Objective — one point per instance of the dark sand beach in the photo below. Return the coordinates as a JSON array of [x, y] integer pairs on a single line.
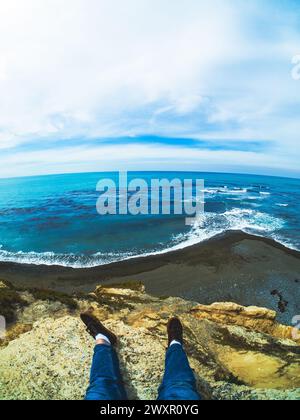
[[233, 267]]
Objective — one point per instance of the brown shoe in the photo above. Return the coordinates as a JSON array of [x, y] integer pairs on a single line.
[[175, 331], [94, 327]]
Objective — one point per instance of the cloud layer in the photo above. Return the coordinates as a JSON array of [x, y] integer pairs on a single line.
[[76, 75]]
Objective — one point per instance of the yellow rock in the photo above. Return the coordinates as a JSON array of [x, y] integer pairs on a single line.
[[257, 319]]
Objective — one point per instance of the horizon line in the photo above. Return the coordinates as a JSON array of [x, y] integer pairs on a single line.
[[149, 171]]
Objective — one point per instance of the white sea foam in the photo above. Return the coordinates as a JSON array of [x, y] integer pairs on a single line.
[[254, 197], [250, 221], [209, 225], [287, 243], [225, 190], [64, 260], [206, 227]]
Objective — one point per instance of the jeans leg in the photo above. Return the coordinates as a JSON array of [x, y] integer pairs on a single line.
[[179, 381], [106, 380]]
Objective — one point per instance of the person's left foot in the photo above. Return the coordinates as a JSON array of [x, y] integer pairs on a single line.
[[94, 327]]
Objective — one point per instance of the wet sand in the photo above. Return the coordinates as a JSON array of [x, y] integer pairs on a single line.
[[232, 267]]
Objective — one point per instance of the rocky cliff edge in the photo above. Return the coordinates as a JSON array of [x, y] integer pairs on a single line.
[[236, 353]]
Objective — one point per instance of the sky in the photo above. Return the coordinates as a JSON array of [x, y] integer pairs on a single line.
[[105, 85]]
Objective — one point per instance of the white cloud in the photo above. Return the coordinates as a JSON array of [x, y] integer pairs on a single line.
[[138, 157], [101, 59], [98, 68]]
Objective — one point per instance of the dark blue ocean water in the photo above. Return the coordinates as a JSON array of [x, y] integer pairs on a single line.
[[53, 219]]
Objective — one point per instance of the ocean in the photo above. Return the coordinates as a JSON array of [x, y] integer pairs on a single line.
[[53, 219]]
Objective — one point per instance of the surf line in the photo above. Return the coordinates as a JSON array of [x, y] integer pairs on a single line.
[[157, 197]]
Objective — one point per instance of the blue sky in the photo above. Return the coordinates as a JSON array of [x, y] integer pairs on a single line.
[[96, 85]]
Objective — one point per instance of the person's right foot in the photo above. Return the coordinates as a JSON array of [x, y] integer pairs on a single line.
[[94, 327], [175, 331]]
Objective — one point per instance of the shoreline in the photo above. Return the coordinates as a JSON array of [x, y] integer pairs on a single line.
[[172, 249], [230, 236], [233, 266]]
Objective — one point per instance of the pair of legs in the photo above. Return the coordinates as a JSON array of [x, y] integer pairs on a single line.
[[106, 380]]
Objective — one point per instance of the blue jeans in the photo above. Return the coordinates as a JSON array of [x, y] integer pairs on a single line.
[[106, 381]]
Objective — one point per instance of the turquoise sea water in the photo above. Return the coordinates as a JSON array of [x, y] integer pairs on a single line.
[[53, 219]]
